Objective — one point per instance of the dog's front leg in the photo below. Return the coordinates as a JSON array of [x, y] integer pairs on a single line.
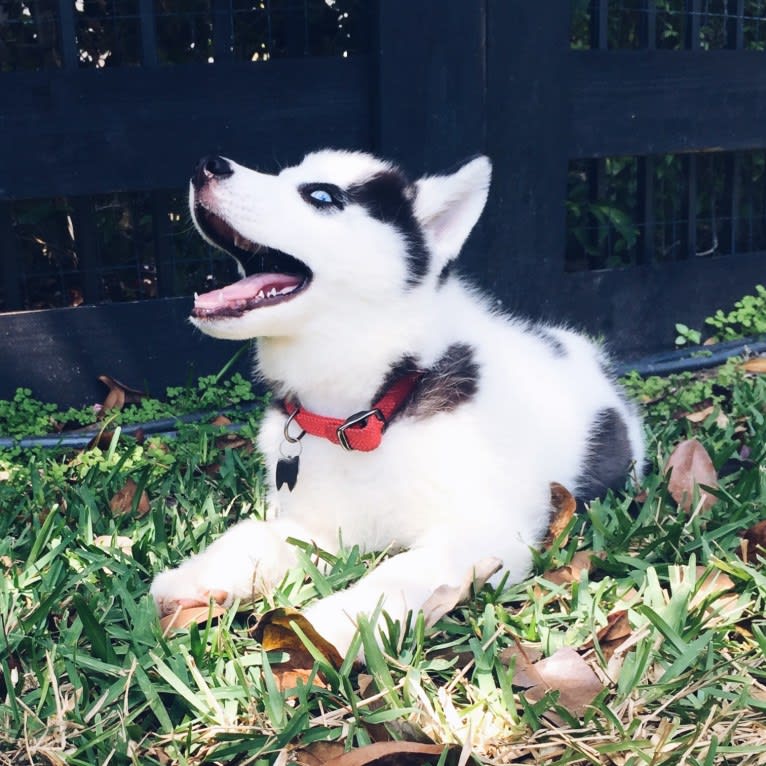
[[251, 558], [402, 583]]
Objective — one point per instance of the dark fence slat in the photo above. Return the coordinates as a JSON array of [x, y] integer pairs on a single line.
[[527, 137], [223, 30], [652, 102], [68, 34], [646, 208], [136, 129], [11, 266], [162, 250], [689, 247], [149, 57], [599, 24], [86, 245]]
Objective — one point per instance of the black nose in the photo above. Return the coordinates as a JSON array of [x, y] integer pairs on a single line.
[[210, 167]]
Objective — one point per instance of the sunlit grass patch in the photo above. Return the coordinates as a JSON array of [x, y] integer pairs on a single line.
[[649, 624]]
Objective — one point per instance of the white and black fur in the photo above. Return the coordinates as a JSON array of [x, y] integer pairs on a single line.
[[463, 473]]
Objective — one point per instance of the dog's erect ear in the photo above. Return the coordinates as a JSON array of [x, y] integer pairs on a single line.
[[448, 207]]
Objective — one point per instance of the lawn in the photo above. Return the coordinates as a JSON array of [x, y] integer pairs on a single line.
[[639, 639]]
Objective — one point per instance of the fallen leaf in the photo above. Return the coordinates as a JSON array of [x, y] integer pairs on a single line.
[[122, 502], [581, 562], [183, 618], [220, 420], [523, 659], [119, 395], [275, 633], [700, 415], [614, 633], [755, 364], [446, 597], [690, 466], [567, 673], [317, 753], [563, 506], [234, 441], [753, 543], [387, 754], [102, 440]]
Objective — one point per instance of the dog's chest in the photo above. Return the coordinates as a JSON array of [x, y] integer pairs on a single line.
[[366, 497]]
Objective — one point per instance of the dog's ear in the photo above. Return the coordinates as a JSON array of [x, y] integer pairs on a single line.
[[448, 207]]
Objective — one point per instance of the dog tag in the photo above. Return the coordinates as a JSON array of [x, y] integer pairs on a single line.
[[287, 471]]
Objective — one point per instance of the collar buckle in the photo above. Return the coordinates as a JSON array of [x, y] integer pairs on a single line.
[[355, 420]]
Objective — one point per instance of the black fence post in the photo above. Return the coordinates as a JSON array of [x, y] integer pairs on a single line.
[[430, 107], [528, 140]]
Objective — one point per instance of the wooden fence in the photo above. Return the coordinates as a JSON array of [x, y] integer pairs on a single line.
[[626, 138]]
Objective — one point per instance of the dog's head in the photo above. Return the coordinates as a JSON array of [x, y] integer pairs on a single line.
[[340, 230]]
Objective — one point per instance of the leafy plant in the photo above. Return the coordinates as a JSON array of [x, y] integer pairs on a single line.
[[748, 317], [687, 335]]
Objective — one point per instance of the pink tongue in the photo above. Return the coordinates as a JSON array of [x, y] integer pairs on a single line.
[[246, 289]]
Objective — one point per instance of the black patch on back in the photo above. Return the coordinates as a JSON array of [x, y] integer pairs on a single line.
[[386, 198], [554, 344], [609, 458], [452, 381]]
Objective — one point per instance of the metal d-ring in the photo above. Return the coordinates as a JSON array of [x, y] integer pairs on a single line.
[[286, 431]]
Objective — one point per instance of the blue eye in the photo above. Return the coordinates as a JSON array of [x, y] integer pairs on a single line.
[[322, 196]]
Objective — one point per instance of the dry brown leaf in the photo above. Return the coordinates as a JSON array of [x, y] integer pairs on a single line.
[[101, 440], [581, 562], [753, 543], [234, 441], [616, 631], [446, 597], [690, 466], [568, 673], [183, 618], [119, 395], [756, 364], [397, 753], [317, 753], [700, 415], [275, 633], [563, 507], [220, 420], [122, 502], [523, 659]]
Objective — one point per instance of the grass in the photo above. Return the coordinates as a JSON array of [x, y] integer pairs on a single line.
[[87, 677]]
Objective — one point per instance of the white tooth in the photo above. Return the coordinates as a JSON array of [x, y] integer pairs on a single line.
[[285, 290], [260, 295], [272, 292], [196, 295]]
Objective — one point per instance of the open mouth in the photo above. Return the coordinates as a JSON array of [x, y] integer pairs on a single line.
[[271, 276]]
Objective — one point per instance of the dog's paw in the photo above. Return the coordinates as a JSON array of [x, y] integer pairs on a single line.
[[333, 621], [180, 588]]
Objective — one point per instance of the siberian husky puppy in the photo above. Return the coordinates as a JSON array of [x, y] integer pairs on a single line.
[[408, 415]]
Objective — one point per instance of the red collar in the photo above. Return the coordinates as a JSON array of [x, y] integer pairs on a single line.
[[362, 431]]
